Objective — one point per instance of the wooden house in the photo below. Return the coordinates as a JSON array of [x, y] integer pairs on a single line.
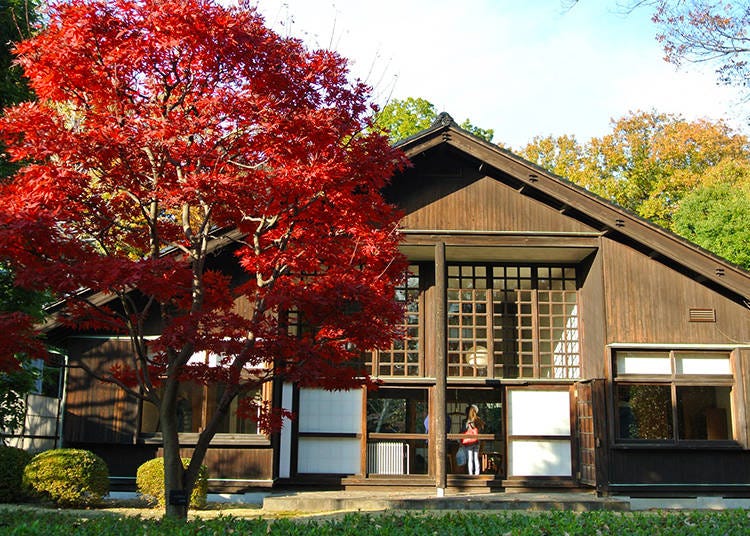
[[601, 351]]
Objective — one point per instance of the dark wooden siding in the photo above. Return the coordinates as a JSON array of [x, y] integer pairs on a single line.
[[648, 302], [592, 318], [236, 463], [476, 202], [97, 412], [673, 467]]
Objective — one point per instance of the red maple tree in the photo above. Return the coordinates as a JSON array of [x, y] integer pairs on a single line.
[[164, 130]]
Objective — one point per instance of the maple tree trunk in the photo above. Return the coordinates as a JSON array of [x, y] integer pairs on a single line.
[[176, 494]]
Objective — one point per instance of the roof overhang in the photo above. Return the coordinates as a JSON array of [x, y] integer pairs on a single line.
[[610, 219]]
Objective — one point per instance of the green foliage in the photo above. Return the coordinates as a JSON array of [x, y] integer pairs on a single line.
[[716, 217], [69, 477], [485, 133], [728, 523], [17, 21], [12, 463], [150, 483], [13, 298], [404, 118]]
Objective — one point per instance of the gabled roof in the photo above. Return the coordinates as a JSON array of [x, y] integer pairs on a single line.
[[577, 202]]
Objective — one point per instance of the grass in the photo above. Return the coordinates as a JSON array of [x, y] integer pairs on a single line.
[[239, 520]]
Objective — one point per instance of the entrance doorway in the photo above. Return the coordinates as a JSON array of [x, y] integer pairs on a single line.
[[489, 403]]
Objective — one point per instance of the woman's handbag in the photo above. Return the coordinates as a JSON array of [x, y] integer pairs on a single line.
[[472, 431]]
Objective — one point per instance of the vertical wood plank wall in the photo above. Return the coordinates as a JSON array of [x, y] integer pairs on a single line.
[[648, 302], [480, 204], [94, 411]]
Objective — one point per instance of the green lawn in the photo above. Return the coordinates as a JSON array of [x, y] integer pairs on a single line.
[[23, 522]]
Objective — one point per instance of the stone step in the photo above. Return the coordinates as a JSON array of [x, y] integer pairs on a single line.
[[358, 501]]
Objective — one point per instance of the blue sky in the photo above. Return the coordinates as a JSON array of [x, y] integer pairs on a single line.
[[522, 68]]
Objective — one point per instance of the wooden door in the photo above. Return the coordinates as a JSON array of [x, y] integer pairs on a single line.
[[585, 436]]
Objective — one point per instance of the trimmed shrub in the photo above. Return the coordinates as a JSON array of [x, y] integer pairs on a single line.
[[12, 463], [69, 477], [150, 483]]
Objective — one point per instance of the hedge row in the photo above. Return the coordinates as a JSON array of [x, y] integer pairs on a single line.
[[729, 523]]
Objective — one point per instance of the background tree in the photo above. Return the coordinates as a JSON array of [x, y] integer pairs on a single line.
[[707, 31], [561, 155], [716, 217], [163, 127], [21, 308], [18, 19], [648, 163], [403, 118]]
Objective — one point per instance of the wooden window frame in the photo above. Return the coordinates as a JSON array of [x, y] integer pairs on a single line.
[[674, 381], [265, 391], [374, 361]]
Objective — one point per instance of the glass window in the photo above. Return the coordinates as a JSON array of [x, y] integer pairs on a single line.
[[394, 418], [701, 363], [490, 411], [49, 376], [644, 411], [704, 412], [687, 396], [397, 411], [196, 405], [643, 363]]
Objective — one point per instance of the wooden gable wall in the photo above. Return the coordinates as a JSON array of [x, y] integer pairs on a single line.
[[649, 302], [448, 192]]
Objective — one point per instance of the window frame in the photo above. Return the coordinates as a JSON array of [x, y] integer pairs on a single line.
[[674, 380], [265, 392], [373, 360]]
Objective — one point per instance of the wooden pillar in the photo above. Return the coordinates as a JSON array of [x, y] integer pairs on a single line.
[[441, 343]]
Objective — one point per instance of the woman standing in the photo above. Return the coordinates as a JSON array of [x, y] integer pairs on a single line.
[[474, 425]]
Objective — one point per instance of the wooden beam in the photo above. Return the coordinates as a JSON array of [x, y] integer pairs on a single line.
[[441, 346]]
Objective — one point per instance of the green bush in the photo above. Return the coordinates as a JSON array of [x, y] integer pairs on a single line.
[[69, 477], [12, 463], [150, 483]]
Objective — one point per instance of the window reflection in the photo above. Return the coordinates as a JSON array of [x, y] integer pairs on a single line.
[[196, 405]]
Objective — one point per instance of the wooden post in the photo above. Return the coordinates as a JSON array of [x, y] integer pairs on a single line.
[[441, 342]]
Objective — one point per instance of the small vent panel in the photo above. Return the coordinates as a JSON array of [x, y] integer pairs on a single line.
[[702, 315]]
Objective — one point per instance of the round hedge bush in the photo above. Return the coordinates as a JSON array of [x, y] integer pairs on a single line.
[[69, 477], [150, 483], [12, 463]]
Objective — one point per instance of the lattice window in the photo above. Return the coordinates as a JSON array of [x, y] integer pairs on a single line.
[[513, 321], [559, 352], [404, 357], [468, 305]]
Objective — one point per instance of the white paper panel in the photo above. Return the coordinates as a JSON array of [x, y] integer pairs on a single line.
[[285, 446], [539, 412], [642, 363], [330, 411], [539, 458], [328, 455], [703, 364]]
